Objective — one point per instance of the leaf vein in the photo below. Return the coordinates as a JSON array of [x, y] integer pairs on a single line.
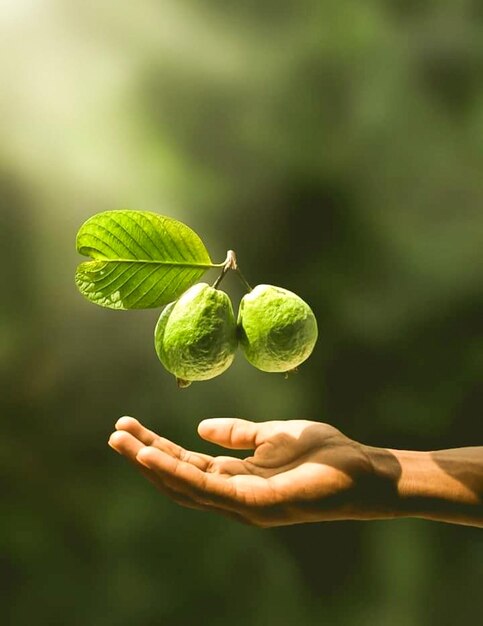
[[91, 237], [119, 287], [192, 250], [131, 238], [123, 271], [111, 234], [143, 217], [160, 224], [138, 285], [174, 242]]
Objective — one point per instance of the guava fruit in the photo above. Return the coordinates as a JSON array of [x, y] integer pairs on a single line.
[[277, 330], [195, 337]]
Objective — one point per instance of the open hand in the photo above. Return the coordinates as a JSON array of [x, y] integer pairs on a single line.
[[300, 471]]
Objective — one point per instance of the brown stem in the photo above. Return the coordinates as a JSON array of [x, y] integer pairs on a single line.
[[243, 279], [230, 264]]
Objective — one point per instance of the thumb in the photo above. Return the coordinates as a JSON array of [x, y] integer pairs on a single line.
[[232, 432]]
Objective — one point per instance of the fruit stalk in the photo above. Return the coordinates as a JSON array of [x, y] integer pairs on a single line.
[[229, 264], [243, 279]]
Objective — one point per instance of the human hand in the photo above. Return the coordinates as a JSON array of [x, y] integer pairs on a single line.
[[300, 471]]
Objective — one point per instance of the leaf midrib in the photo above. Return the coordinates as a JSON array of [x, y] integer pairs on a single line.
[[154, 262]]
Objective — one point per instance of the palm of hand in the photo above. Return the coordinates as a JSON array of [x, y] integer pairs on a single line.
[[302, 467]]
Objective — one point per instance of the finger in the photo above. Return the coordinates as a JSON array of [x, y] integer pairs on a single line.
[[231, 466], [186, 501], [220, 465], [129, 446], [198, 459], [234, 433], [150, 438], [204, 487], [125, 444], [133, 426]]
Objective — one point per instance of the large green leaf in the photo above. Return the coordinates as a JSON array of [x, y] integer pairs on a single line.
[[140, 260]]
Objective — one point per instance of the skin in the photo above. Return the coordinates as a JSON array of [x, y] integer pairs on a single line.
[[302, 471]]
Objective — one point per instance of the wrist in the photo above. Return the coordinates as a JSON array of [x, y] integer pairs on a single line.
[[382, 492], [411, 476]]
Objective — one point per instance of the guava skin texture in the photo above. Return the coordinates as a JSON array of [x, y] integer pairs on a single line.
[[277, 330], [195, 337]]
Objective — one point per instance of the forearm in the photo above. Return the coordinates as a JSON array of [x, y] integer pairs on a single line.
[[446, 485]]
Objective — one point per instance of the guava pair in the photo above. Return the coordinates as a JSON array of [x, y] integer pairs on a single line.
[[196, 336]]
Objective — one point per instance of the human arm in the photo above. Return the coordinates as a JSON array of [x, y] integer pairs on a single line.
[[303, 471], [443, 485]]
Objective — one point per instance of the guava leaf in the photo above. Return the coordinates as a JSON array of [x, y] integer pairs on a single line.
[[140, 260]]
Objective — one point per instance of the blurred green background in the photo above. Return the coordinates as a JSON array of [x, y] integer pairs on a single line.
[[337, 146]]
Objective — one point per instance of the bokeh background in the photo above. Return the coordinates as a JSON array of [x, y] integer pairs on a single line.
[[337, 146]]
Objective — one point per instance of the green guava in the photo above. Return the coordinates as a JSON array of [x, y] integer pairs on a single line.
[[195, 337], [277, 330]]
